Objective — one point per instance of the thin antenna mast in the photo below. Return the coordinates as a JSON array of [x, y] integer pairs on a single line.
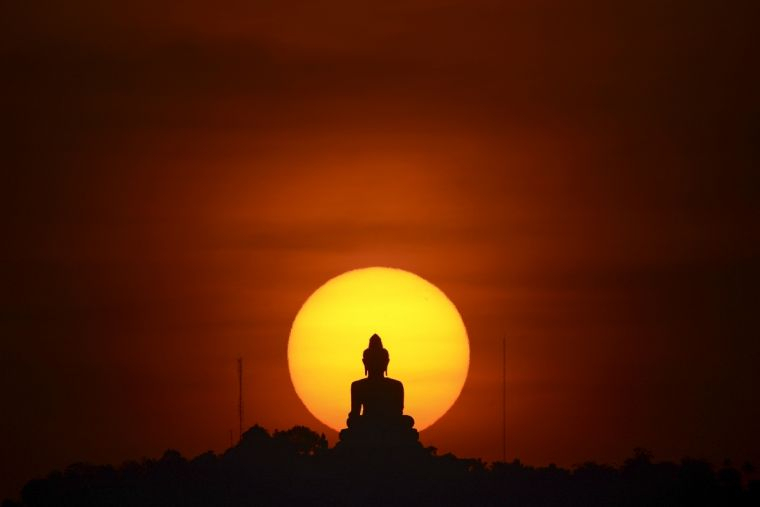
[[240, 397], [504, 399]]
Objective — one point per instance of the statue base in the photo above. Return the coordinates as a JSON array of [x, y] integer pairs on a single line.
[[378, 438]]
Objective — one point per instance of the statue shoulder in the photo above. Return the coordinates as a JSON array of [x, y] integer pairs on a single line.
[[393, 382]]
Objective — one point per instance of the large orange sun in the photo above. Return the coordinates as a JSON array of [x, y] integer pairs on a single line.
[[419, 325]]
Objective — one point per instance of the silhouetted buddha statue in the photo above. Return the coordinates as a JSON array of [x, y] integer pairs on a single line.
[[377, 402]]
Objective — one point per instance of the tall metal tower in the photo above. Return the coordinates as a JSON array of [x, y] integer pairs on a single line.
[[240, 398], [504, 399]]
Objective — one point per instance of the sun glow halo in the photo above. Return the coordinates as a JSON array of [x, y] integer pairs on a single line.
[[419, 325]]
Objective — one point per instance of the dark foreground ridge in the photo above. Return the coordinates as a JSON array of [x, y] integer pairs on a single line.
[[296, 467]]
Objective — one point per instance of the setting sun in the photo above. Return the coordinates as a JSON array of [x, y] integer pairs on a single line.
[[419, 325]]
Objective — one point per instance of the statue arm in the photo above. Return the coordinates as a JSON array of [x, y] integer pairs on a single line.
[[356, 404], [400, 398]]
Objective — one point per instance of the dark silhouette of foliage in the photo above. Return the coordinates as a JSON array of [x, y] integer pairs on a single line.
[[296, 466]]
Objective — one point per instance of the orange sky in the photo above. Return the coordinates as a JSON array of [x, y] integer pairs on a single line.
[[579, 178]]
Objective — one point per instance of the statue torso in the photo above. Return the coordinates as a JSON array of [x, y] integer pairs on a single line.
[[379, 397]]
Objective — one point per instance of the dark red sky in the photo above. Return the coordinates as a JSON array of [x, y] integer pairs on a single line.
[[580, 177]]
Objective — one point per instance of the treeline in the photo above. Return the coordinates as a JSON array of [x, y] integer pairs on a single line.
[[296, 467]]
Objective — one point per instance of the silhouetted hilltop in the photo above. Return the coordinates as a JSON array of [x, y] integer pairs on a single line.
[[296, 467]]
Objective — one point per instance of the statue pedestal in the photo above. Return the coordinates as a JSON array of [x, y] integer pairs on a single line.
[[381, 438]]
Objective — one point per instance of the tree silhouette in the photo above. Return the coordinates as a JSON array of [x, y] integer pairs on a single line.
[[296, 466]]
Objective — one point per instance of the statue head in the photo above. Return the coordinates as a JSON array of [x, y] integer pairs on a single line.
[[375, 357]]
